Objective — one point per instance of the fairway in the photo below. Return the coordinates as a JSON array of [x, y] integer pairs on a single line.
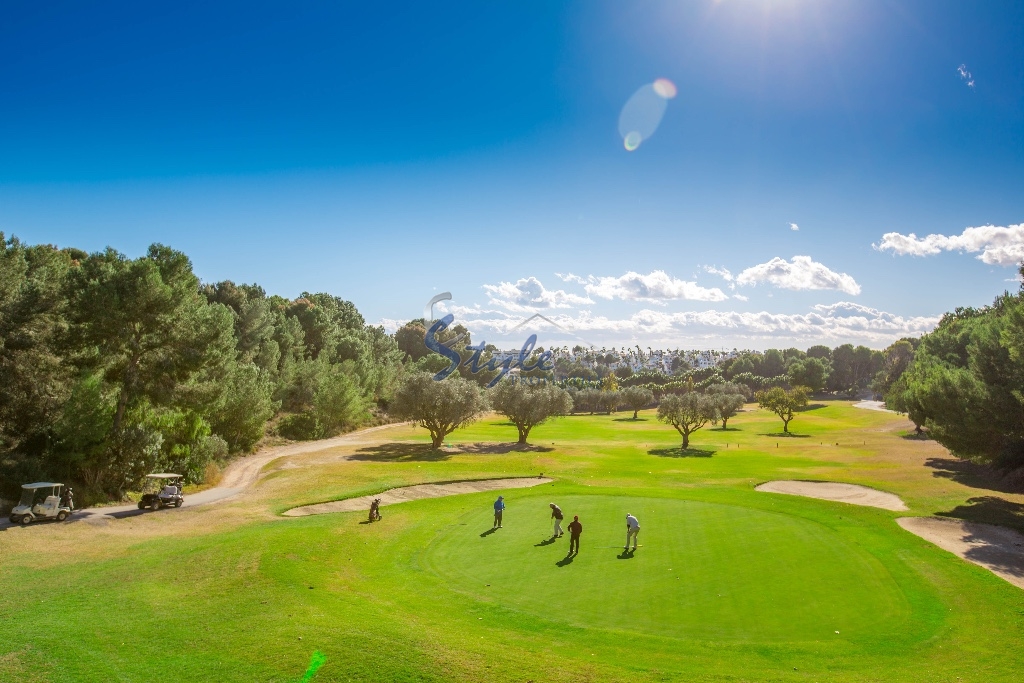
[[705, 571], [729, 583]]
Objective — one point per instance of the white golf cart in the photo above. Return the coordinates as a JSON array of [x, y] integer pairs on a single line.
[[41, 500], [162, 490]]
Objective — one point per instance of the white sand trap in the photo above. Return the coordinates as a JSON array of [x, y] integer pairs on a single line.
[[841, 493], [998, 549], [417, 492], [873, 405]]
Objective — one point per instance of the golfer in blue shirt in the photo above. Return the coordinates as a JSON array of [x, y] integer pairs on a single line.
[[499, 507]]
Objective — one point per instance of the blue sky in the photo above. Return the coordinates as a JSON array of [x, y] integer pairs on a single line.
[[387, 152]]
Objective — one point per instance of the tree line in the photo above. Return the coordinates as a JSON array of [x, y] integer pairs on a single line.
[[964, 381], [113, 367]]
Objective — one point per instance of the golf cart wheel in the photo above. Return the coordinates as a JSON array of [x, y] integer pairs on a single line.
[[14, 519], [142, 506], [61, 516], [178, 504], [156, 505], [26, 520]]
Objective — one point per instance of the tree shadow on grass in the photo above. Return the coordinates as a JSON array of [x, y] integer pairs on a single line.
[[677, 452], [914, 436], [989, 510], [810, 406], [629, 419], [973, 474], [398, 451], [786, 435], [500, 448]]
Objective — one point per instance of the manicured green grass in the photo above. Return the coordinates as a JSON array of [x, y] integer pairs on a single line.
[[729, 584], [705, 570]]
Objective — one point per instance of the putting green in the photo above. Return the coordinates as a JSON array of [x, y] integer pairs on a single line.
[[704, 570]]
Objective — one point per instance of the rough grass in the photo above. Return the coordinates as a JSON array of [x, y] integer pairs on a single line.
[[230, 592]]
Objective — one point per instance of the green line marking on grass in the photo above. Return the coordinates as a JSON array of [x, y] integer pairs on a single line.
[[318, 660]]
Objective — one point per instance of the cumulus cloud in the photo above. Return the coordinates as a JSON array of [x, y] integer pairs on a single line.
[[657, 287], [740, 297], [965, 76], [999, 246], [828, 324], [529, 294], [801, 273], [794, 227]]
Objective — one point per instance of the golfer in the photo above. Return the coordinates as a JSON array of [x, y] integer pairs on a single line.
[[632, 530], [499, 507], [575, 529], [556, 514]]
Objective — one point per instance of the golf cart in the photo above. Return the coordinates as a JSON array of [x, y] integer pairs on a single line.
[[162, 490], [41, 500]]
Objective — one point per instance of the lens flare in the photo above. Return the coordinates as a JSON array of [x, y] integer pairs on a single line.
[[665, 88], [643, 111]]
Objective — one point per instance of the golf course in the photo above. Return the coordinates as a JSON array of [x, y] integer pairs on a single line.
[[728, 583]]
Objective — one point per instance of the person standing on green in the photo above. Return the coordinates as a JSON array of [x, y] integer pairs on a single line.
[[556, 514], [499, 507], [632, 530], [575, 529]]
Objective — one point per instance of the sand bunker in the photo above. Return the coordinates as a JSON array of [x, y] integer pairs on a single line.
[[998, 549], [841, 493], [417, 492], [873, 405]]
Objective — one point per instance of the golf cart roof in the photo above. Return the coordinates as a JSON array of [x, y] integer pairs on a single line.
[[40, 485], [164, 475]]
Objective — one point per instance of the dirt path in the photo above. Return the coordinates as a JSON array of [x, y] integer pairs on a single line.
[[245, 471], [841, 493], [417, 492], [998, 549], [240, 474]]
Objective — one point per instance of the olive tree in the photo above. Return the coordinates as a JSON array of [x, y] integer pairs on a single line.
[[528, 405], [783, 403], [636, 399], [687, 413], [439, 407], [726, 406]]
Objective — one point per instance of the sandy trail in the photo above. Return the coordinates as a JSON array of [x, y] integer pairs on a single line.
[[245, 471], [240, 474], [841, 493], [998, 549], [417, 492]]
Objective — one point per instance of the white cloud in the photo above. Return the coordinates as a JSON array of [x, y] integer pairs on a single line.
[[965, 76], [528, 294], [794, 227], [740, 297], [999, 246], [720, 272], [801, 273], [832, 324], [657, 287], [569, 277]]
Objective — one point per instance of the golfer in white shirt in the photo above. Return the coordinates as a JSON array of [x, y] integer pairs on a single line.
[[632, 530]]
